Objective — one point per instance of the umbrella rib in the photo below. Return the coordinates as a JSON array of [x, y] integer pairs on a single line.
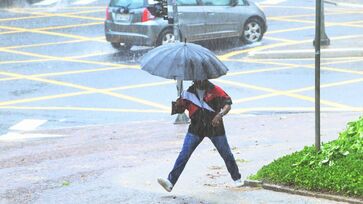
[[176, 51], [186, 71], [166, 52], [216, 64], [197, 53], [203, 59], [183, 62]]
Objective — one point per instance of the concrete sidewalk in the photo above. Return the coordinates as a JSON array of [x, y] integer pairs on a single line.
[[342, 45], [119, 163], [338, 48], [352, 3]]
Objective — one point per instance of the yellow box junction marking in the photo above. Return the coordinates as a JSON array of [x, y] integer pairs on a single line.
[[225, 57], [54, 108], [69, 59], [45, 15], [85, 88], [50, 33], [279, 92]]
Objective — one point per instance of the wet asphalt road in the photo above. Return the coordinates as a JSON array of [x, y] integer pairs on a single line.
[[55, 65]]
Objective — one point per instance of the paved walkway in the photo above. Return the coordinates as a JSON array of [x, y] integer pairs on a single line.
[[349, 1], [119, 163]]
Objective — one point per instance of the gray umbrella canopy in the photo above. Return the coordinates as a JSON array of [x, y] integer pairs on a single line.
[[183, 61]]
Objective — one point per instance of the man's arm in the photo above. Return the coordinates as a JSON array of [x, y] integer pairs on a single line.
[[225, 110], [180, 105], [218, 118]]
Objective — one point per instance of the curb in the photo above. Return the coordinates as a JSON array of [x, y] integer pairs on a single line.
[[339, 3], [307, 53], [284, 189]]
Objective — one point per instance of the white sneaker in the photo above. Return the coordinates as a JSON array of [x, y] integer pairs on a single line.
[[238, 183], [166, 184]]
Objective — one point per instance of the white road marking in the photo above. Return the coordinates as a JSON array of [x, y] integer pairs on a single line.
[[351, 5], [27, 125], [19, 131], [306, 53], [83, 2], [46, 2], [15, 136], [271, 2]]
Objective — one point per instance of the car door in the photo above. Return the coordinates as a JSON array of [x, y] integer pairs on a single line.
[[221, 18], [191, 20]]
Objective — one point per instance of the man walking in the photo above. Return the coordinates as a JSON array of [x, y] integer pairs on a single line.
[[207, 104]]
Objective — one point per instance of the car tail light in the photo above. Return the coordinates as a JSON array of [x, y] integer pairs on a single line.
[[146, 15], [108, 16]]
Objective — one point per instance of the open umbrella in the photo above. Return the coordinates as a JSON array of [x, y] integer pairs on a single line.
[[183, 61]]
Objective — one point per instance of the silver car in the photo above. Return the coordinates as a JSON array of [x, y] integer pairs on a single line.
[[131, 22]]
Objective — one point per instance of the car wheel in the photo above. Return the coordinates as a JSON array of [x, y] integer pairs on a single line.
[[118, 46], [166, 36], [252, 31]]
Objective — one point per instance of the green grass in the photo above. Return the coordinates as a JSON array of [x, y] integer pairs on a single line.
[[337, 168]]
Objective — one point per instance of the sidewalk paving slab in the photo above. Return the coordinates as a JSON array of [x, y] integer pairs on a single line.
[[119, 163], [338, 48]]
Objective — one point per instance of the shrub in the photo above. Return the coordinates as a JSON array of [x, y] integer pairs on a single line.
[[337, 168]]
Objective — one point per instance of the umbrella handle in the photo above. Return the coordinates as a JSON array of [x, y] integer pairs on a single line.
[[179, 86]]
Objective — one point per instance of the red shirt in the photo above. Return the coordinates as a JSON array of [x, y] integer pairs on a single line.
[[202, 112]]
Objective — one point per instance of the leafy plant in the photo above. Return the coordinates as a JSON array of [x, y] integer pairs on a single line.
[[66, 183], [337, 168]]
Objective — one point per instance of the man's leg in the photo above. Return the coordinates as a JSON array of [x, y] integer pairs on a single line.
[[221, 143], [190, 143]]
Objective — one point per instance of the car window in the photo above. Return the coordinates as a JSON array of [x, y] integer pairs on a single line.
[[186, 2], [242, 2], [128, 3], [216, 2]]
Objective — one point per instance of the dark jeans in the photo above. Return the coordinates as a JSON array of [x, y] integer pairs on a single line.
[[191, 142]]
